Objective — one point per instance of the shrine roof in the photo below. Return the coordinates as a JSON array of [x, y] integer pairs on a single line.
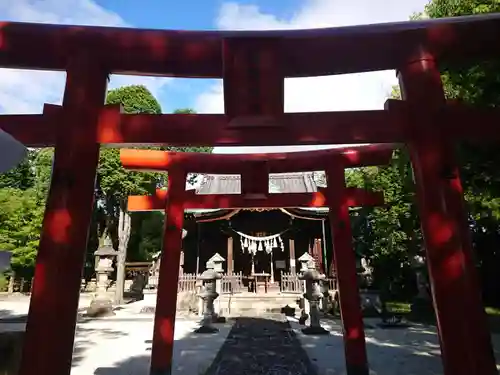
[[279, 183]]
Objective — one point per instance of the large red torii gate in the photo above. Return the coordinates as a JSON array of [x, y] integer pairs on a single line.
[[253, 66], [255, 169]]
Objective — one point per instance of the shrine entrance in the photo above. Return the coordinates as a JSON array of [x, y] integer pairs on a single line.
[[255, 170]]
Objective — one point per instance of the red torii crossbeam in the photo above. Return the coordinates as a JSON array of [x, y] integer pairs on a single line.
[[377, 126], [355, 198], [253, 66], [255, 193]]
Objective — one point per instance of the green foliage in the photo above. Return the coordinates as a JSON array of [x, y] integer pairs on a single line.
[[134, 99], [4, 283], [389, 236], [21, 217], [115, 183], [20, 177]]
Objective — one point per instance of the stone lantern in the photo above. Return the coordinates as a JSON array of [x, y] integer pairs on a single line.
[[306, 260], [215, 263], [208, 295], [102, 302], [313, 295]]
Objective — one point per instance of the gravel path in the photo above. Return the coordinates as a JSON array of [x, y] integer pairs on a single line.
[[265, 345]]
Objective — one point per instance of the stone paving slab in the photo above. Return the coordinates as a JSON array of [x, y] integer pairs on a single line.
[[121, 345], [412, 350], [263, 345]]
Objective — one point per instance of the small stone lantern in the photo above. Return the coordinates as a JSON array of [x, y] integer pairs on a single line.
[[215, 263], [102, 302], [306, 261], [313, 295], [208, 295]]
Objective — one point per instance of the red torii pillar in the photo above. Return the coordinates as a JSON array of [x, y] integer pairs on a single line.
[[344, 261], [50, 330], [464, 334], [164, 324]]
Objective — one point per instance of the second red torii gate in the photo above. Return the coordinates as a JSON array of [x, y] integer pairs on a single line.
[[255, 171]]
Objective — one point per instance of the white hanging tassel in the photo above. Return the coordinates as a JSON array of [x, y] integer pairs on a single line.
[[246, 243], [253, 246], [275, 244], [281, 244], [259, 248], [242, 244]]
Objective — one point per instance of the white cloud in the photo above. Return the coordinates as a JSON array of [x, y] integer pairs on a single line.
[[331, 93], [25, 91]]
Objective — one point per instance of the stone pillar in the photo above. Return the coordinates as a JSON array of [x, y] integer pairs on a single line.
[[313, 295], [209, 294], [291, 245]]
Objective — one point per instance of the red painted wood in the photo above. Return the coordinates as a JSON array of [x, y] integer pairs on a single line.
[[463, 328], [198, 54], [355, 197], [236, 163], [203, 129], [50, 330], [255, 179], [254, 84], [322, 128], [345, 266], [163, 334]]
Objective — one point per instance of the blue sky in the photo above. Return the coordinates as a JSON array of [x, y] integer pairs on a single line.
[[27, 91], [187, 15]]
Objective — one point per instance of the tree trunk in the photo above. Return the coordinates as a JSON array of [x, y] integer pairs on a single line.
[[12, 279], [124, 227]]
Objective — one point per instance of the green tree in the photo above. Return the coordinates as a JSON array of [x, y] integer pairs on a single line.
[[22, 176], [477, 84], [115, 184], [21, 217]]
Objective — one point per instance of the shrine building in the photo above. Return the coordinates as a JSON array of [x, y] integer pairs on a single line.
[[257, 241]]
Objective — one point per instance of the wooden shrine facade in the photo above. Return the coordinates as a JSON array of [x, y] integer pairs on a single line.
[[253, 66], [297, 230]]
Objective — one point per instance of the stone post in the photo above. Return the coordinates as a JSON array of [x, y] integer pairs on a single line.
[[209, 278], [215, 263], [102, 304], [313, 294]]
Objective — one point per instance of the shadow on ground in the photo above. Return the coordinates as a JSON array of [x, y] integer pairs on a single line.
[[265, 346]]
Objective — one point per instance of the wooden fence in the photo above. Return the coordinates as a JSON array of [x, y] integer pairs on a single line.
[[290, 283], [187, 283], [232, 283], [18, 285]]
